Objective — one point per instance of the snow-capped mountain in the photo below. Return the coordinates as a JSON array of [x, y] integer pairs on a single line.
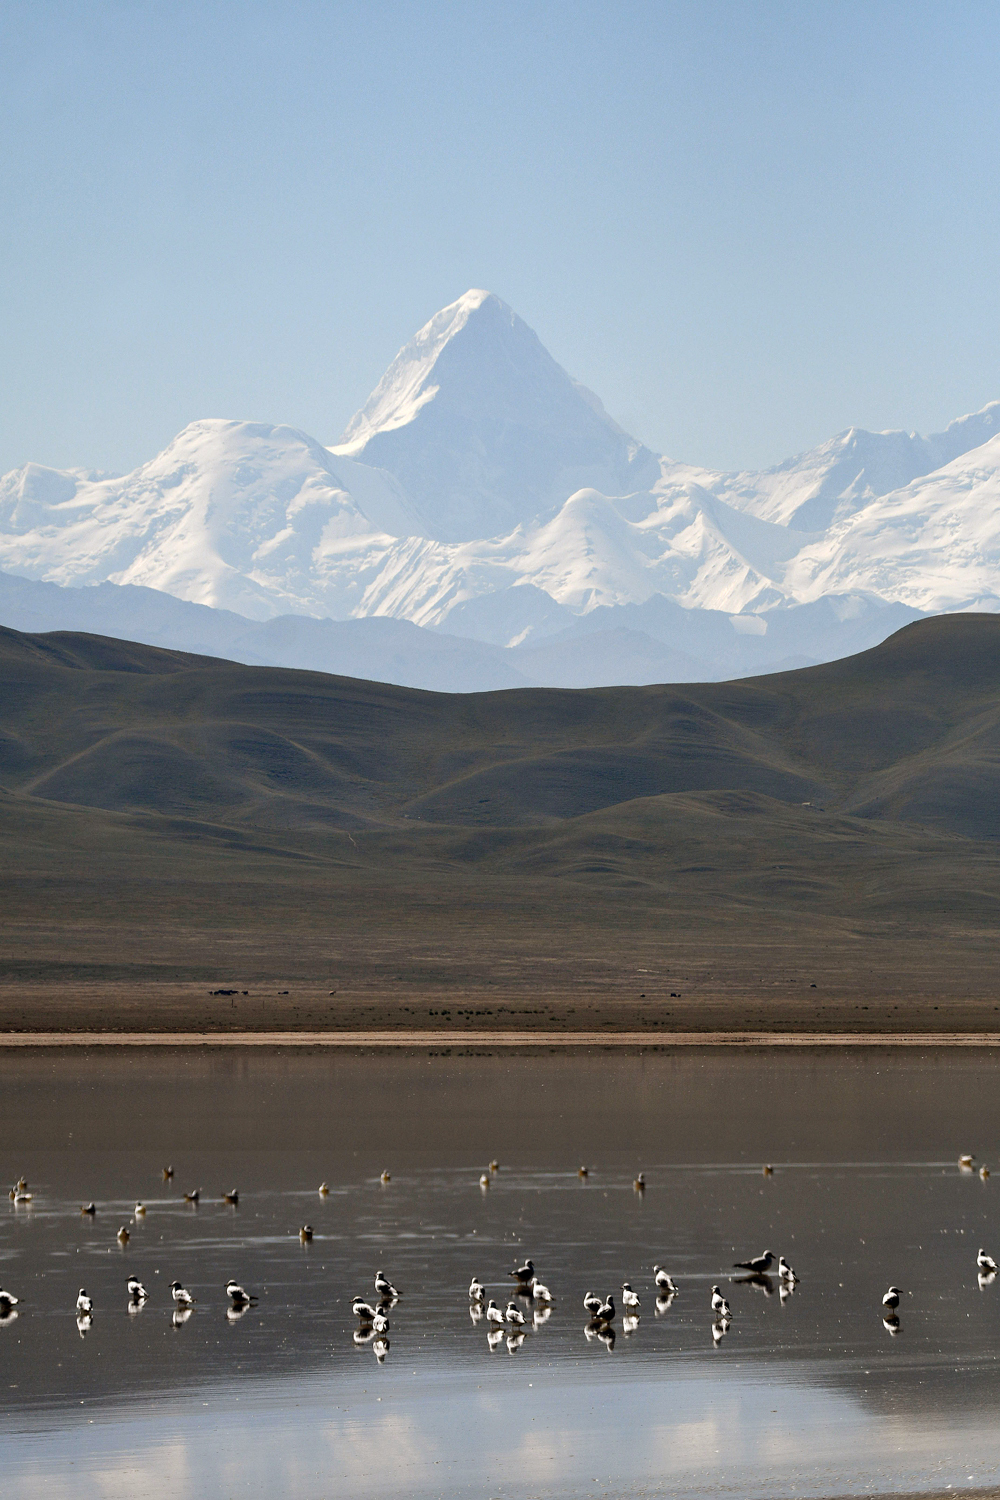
[[483, 493]]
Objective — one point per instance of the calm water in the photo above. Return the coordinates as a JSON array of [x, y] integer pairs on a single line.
[[810, 1395]]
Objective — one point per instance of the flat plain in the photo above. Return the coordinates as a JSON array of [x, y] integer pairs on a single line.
[[812, 850]]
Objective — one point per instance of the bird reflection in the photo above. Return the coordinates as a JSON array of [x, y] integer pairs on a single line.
[[758, 1280], [84, 1323], [237, 1311], [380, 1348], [7, 1315], [719, 1331], [786, 1290], [630, 1323], [541, 1315], [606, 1336], [663, 1304], [181, 1316], [475, 1312], [986, 1278], [891, 1324], [364, 1335], [515, 1340], [493, 1338]]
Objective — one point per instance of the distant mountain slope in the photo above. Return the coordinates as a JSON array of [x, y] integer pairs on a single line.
[[482, 493]]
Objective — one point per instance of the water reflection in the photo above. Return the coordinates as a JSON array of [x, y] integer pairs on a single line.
[[788, 1384]]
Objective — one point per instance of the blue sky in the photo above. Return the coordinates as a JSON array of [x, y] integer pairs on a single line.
[[746, 226]]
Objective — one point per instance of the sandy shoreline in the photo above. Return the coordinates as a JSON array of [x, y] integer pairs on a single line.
[[493, 1039]]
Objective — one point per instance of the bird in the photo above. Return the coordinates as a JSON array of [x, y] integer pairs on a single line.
[[89, 1208], [539, 1292], [639, 1183], [123, 1235], [891, 1299], [785, 1271], [663, 1280], [583, 1171], [182, 1297], [493, 1313], [719, 1304], [168, 1172], [384, 1286], [524, 1273], [193, 1197], [592, 1304], [758, 1265], [514, 1315], [7, 1301], [84, 1306], [239, 1295], [986, 1263], [494, 1165], [137, 1292], [139, 1211], [306, 1233], [606, 1312], [630, 1299], [384, 1177], [231, 1197], [768, 1170], [476, 1290], [18, 1195], [363, 1310], [324, 1189], [21, 1185], [966, 1160], [484, 1181], [984, 1172], [380, 1322]]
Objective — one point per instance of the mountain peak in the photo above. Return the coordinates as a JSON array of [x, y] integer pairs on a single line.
[[484, 430]]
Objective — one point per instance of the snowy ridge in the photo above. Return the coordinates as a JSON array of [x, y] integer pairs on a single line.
[[483, 493]]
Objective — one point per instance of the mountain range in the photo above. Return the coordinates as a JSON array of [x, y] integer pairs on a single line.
[[484, 523]]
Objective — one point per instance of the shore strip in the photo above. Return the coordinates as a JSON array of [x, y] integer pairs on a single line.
[[437, 1039]]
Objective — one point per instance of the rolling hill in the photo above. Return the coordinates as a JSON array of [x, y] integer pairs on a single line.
[[171, 820]]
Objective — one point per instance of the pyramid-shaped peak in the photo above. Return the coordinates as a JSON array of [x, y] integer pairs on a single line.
[[484, 429]]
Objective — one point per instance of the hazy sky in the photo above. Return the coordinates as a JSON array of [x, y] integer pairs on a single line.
[[746, 226]]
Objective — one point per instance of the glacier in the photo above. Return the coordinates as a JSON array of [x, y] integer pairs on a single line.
[[504, 529]]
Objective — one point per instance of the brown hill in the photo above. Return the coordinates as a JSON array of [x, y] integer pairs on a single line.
[[679, 856]]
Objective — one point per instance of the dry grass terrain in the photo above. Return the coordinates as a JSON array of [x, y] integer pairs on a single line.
[[818, 849]]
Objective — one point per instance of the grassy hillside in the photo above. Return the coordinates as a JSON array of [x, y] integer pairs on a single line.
[[169, 821]]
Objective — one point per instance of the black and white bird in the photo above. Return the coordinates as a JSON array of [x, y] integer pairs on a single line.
[[380, 1323], [664, 1282], [493, 1313], [592, 1304], [719, 1304], [384, 1287], [524, 1273], [606, 1312], [182, 1297], [785, 1271], [306, 1233], [630, 1299], [137, 1292], [238, 1294], [891, 1299], [7, 1299], [539, 1292], [477, 1291], [139, 1211], [759, 1265], [123, 1235], [89, 1208], [986, 1263], [231, 1197], [193, 1197], [514, 1315], [363, 1310], [84, 1306]]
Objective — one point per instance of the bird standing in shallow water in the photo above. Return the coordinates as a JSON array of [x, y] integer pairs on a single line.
[[891, 1299], [630, 1299], [514, 1315], [539, 1292], [606, 1311], [84, 1306], [524, 1273], [664, 1282], [239, 1295], [493, 1313], [137, 1292], [139, 1211], [759, 1265], [986, 1263], [592, 1304], [476, 1290], [306, 1233], [182, 1297], [123, 1235], [785, 1271], [384, 1287], [7, 1301], [363, 1310], [719, 1304], [89, 1208]]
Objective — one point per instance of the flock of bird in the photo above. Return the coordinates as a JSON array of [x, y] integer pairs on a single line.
[[510, 1323]]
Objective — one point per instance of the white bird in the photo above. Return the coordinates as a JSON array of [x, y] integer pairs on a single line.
[[123, 1235], [986, 1263], [476, 1290], [239, 1294], [137, 1292], [493, 1313], [182, 1297], [785, 1271], [592, 1304], [966, 1160], [324, 1190], [139, 1210], [7, 1299], [514, 1315], [539, 1292], [663, 1280], [891, 1299], [380, 1323], [84, 1306], [630, 1299], [384, 1287], [719, 1304], [484, 1182], [363, 1310], [606, 1311]]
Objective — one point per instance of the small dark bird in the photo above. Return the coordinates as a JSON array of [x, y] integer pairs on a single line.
[[192, 1197], [606, 1311], [758, 1265], [306, 1233], [231, 1197], [524, 1273], [89, 1208], [168, 1172]]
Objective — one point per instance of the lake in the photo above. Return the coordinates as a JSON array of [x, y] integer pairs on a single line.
[[802, 1394]]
